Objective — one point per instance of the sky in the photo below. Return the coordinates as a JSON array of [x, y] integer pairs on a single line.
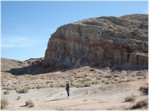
[[27, 26]]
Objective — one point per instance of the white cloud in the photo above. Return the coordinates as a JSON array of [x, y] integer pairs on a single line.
[[18, 42]]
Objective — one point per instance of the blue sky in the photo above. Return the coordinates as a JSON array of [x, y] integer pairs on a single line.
[[26, 26]]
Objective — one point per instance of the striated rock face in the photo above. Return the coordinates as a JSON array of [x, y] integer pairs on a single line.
[[103, 40]]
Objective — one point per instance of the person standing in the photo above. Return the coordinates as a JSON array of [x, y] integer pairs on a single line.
[[68, 88]]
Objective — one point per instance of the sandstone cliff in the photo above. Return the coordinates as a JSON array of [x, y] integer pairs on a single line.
[[106, 41]]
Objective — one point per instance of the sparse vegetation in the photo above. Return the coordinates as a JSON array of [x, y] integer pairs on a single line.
[[6, 92], [92, 69], [144, 90], [95, 82], [106, 82], [87, 84], [27, 86], [19, 97], [140, 104], [108, 76], [24, 90], [116, 79], [4, 103], [29, 103], [103, 81], [130, 98], [7, 88]]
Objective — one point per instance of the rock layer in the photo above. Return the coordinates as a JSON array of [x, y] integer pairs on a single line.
[[103, 40]]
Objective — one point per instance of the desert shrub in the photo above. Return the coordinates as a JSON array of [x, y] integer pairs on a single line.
[[38, 87], [24, 90], [87, 84], [144, 90], [27, 86], [7, 88], [139, 73], [78, 85], [29, 103], [140, 104], [103, 81], [106, 82], [116, 79], [92, 69], [98, 78], [119, 81], [108, 76], [15, 88], [85, 100], [19, 97], [4, 103], [95, 82], [6, 92], [116, 75], [130, 98], [62, 85]]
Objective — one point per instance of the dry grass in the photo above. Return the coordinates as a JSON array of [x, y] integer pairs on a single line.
[[29, 103], [4, 103]]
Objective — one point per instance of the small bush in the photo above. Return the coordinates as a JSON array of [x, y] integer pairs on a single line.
[[7, 88], [108, 76], [6, 92], [106, 82], [130, 98], [19, 97], [98, 78], [140, 104], [27, 86], [29, 103], [38, 87], [24, 90], [95, 82], [15, 88], [4, 103], [78, 86], [116, 79], [62, 85], [87, 84], [144, 90], [92, 69]]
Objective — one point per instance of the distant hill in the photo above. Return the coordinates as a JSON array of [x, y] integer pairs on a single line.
[[8, 64]]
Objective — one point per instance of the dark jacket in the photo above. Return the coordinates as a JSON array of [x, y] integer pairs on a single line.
[[67, 86]]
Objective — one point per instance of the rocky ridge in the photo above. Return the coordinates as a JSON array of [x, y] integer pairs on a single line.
[[107, 41]]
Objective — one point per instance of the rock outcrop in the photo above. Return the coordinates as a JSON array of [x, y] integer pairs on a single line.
[[106, 41]]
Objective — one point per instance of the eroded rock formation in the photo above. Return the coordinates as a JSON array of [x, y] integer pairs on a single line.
[[102, 40]]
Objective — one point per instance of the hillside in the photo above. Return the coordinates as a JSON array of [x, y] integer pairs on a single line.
[[105, 41]]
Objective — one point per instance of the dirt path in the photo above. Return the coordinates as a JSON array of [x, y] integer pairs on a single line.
[[97, 97]]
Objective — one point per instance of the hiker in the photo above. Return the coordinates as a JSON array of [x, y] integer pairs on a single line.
[[67, 88]]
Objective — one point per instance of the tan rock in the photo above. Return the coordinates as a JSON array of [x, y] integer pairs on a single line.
[[99, 40]]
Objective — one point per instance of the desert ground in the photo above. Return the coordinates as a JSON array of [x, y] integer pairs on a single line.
[[91, 89]]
